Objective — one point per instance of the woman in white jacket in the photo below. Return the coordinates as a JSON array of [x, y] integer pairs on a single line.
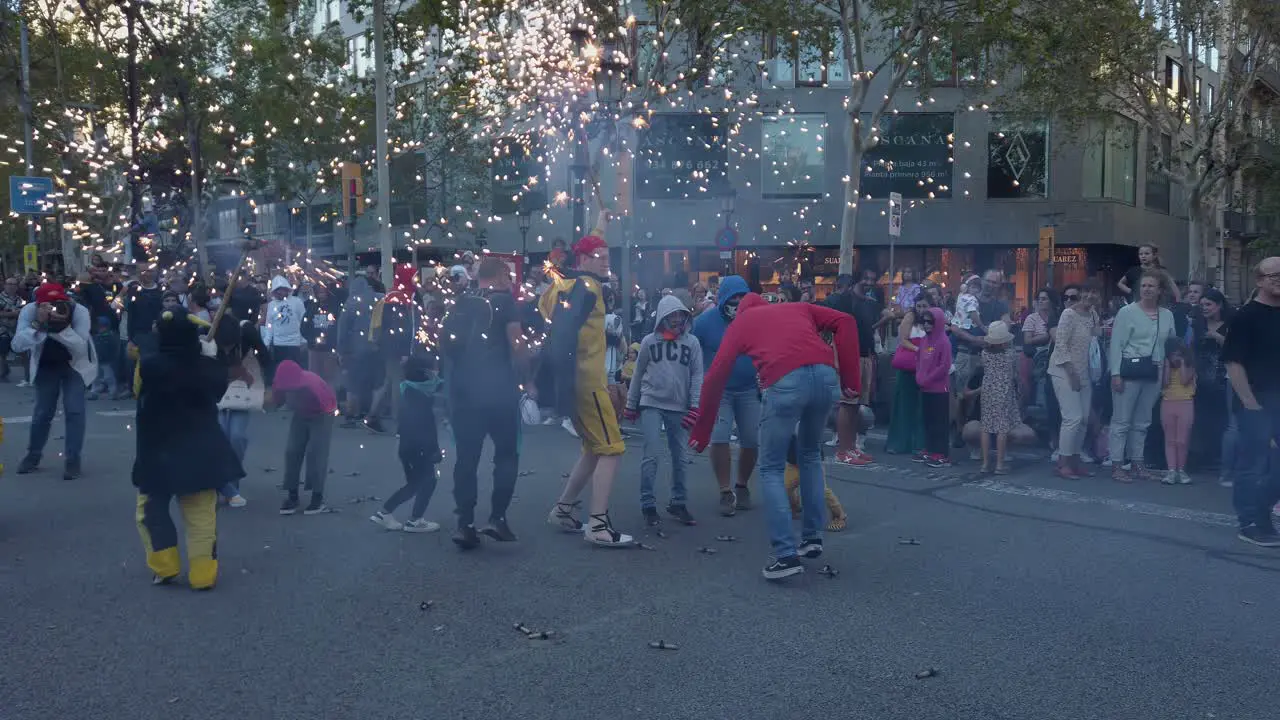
[[55, 330], [283, 329]]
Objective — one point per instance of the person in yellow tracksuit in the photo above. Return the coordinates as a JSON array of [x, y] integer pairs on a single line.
[[182, 452], [575, 347]]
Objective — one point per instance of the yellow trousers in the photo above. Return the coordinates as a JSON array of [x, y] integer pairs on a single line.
[[160, 536]]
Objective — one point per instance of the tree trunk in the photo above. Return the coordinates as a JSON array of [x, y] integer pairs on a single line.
[[196, 204], [852, 189]]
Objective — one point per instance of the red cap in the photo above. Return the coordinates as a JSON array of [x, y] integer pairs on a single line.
[[51, 292], [588, 245]]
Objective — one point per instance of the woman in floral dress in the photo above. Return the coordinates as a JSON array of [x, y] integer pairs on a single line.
[[999, 394]]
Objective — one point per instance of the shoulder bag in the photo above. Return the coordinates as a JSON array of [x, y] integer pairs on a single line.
[[1142, 368]]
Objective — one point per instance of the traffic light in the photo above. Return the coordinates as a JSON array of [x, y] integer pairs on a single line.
[[352, 191]]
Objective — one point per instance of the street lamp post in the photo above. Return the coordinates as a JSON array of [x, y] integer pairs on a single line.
[[525, 219], [728, 205]]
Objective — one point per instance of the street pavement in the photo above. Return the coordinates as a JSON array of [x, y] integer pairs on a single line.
[[1026, 598]]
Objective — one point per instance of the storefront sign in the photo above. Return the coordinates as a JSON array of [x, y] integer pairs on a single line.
[[1069, 256], [913, 157], [517, 176], [682, 156]]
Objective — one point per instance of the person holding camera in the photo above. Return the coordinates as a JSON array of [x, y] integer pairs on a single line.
[[55, 331]]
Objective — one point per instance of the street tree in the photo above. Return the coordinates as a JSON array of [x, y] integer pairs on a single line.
[[1087, 62]]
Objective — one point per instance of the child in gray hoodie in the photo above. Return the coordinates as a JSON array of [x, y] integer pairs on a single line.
[[664, 392]]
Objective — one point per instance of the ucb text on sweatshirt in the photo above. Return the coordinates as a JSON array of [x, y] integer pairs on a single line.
[[668, 374]]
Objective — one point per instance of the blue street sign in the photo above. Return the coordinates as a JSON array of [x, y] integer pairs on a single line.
[[29, 195], [727, 238]]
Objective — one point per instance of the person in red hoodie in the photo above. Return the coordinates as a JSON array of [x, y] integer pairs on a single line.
[[800, 384], [310, 431]]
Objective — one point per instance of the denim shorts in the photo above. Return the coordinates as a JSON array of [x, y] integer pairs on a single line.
[[743, 408]]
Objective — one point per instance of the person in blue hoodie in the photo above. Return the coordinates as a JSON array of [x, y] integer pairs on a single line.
[[740, 403]]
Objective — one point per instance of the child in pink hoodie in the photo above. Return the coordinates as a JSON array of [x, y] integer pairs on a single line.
[[310, 431], [933, 374]]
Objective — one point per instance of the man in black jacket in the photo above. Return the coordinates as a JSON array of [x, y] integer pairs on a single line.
[[483, 351]]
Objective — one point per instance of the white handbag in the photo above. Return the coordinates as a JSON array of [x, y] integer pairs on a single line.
[[241, 396]]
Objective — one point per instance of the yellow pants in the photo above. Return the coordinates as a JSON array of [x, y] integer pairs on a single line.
[[791, 476], [160, 536]]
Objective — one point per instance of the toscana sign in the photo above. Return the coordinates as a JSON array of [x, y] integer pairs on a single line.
[[913, 157]]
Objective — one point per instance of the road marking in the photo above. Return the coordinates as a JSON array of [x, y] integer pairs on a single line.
[[1129, 506], [26, 419]]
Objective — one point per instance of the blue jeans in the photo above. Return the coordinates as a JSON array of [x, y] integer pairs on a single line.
[[743, 408], [107, 346], [798, 405], [51, 382], [235, 423], [651, 421], [1257, 475]]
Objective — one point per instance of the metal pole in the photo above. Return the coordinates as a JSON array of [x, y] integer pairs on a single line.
[[307, 209], [892, 272], [135, 193], [524, 244], [28, 134], [384, 170], [580, 152]]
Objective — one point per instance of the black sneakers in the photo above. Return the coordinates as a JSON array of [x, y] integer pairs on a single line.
[[28, 465], [72, 470], [1260, 536], [783, 568], [651, 518], [811, 549], [498, 529], [465, 537], [290, 505], [681, 513]]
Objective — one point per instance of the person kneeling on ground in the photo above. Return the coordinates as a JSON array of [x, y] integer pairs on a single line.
[[181, 451], [310, 432], [419, 448], [664, 391]]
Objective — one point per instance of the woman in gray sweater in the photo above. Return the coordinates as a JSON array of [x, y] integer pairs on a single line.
[[1135, 359]]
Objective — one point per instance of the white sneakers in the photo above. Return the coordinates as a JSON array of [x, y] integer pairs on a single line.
[[237, 501], [389, 522]]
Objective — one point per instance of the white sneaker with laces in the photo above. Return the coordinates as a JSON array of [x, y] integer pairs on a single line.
[[237, 501], [1086, 458], [386, 520], [567, 424], [1171, 478], [1184, 478], [421, 525]]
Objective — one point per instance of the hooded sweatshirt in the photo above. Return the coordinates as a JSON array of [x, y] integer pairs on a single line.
[[284, 317], [354, 322], [933, 361], [394, 323], [710, 327], [669, 369], [779, 339], [307, 393]]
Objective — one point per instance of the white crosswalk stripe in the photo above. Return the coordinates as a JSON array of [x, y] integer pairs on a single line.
[[26, 419]]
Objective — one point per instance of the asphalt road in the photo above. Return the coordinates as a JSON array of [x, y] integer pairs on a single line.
[[1030, 598]]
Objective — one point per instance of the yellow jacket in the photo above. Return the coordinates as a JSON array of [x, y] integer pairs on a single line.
[[591, 347]]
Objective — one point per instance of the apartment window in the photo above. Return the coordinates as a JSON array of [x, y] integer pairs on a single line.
[[806, 63], [1207, 98], [646, 51], [1173, 82], [1207, 54], [1157, 192], [358, 55], [332, 11], [1017, 157], [792, 160], [1110, 159], [945, 65]]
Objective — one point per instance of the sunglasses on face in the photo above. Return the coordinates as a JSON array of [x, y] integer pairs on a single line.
[[1071, 298]]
